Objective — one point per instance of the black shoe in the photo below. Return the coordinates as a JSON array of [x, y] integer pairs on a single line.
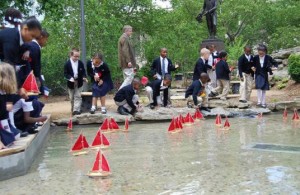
[[24, 134], [32, 131], [122, 111], [189, 105], [212, 94], [243, 101], [258, 105], [205, 109], [76, 113], [152, 106]]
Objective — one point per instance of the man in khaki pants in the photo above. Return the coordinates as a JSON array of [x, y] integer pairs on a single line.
[[223, 77], [126, 56], [246, 74]]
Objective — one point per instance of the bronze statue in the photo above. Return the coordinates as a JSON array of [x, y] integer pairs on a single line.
[[210, 11]]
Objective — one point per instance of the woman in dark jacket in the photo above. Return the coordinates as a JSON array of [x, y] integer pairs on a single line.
[[262, 65]]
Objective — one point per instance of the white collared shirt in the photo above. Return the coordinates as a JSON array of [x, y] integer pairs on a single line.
[[21, 39], [34, 40], [158, 76], [261, 61], [162, 87], [75, 68], [248, 57]]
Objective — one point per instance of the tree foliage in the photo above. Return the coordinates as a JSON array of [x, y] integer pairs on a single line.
[[274, 22]]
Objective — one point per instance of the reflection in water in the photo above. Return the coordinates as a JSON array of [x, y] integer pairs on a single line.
[[149, 160]]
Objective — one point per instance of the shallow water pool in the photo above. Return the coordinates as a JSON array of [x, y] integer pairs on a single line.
[[148, 160]]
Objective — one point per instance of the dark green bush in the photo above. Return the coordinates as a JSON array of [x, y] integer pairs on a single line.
[[294, 67]]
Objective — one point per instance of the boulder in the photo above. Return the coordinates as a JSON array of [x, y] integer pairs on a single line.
[[97, 118], [283, 73], [214, 103], [288, 104], [219, 110], [285, 53], [285, 62], [161, 113]]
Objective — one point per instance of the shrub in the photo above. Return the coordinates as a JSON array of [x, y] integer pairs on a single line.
[[294, 67]]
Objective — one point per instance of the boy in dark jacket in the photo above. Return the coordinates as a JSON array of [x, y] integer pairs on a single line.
[[126, 98], [196, 93], [223, 76]]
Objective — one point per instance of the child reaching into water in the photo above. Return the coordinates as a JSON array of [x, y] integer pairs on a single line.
[[8, 86], [99, 72]]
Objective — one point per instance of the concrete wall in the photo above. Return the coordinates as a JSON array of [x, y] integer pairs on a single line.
[[18, 164]]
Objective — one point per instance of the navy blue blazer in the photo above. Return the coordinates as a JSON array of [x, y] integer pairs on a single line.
[[35, 55], [156, 92], [200, 67], [222, 70], [68, 73], [156, 66], [103, 69], [261, 73], [10, 49], [245, 66], [194, 89], [126, 93]]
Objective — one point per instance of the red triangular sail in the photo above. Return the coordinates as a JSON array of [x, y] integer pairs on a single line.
[[70, 124], [104, 164], [189, 119], [198, 114], [30, 84], [97, 163], [113, 124], [172, 126], [296, 115], [181, 119], [105, 125], [100, 140], [80, 143], [126, 126], [227, 124], [179, 123], [218, 120]]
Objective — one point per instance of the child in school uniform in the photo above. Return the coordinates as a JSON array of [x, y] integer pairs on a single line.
[[102, 83], [262, 65], [195, 94], [12, 18], [8, 86], [223, 77]]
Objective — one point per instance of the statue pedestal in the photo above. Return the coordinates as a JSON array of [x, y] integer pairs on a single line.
[[220, 46]]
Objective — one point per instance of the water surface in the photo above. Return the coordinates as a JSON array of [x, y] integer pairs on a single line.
[[148, 160]]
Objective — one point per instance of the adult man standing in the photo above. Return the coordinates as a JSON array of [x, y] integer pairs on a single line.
[[126, 56]]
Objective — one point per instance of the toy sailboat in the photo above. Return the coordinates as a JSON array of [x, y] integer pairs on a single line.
[[70, 125], [105, 127], [296, 115], [218, 120], [114, 125], [178, 124], [198, 115], [285, 113], [172, 126], [101, 167], [226, 124], [181, 119], [80, 147], [126, 126], [189, 119], [30, 84], [100, 141]]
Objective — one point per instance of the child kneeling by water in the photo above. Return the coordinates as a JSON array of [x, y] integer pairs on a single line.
[[195, 94], [102, 83]]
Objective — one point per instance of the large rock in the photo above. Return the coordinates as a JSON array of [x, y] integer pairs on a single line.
[[287, 104], [219, 110], [283, 73], [285, 53], [218, 103], [97, 118], [161, 113]]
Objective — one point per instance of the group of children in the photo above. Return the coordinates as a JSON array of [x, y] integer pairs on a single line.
[[20, 54]]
